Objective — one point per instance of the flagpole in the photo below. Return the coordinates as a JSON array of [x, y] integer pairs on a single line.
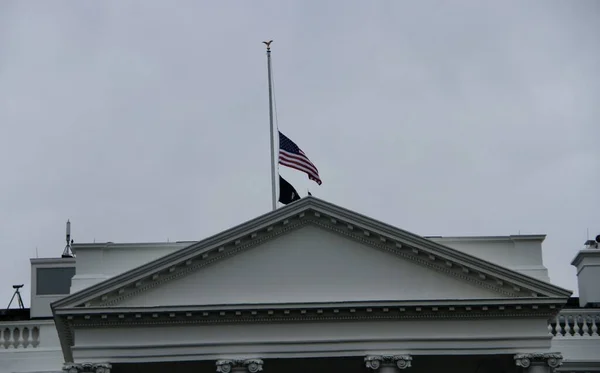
[[273, 183]]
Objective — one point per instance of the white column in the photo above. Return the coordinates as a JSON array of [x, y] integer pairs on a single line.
[[86, 368], [388, 363], [239, 365], [538, 362]]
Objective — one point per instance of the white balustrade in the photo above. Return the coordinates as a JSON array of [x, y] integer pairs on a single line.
[[16, 335], [578, 323]]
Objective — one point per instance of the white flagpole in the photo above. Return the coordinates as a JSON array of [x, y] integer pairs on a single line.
[[273, 164]]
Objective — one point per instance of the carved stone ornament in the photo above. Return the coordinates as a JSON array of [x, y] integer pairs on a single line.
[[227, 365], [224, 366], [553, 360], [87, 368], [253, 365], [376, 361]]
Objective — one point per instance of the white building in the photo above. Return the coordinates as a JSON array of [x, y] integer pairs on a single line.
[[311, 287]]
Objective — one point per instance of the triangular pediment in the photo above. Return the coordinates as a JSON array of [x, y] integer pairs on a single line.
[[309, 265], [311, 251]]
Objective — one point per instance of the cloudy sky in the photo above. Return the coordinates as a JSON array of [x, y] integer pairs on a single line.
[[148, 120]]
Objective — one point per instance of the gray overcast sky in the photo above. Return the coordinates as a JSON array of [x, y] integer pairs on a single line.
[[148, 120]]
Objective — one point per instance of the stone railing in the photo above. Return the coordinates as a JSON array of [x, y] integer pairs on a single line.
[[577, 323], [20, 334]]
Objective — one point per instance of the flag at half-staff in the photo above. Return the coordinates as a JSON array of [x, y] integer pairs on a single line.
[[287, 193], [291, 155]]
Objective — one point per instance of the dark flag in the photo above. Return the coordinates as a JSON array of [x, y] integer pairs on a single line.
[[287, 193], [292, 156]]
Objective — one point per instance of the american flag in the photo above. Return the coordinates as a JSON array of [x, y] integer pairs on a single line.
[[290, 155]]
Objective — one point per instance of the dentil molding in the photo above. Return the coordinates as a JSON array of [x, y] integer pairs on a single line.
[[87, 368], [227, 365], [553, 360], [422, 256], [376, 361]]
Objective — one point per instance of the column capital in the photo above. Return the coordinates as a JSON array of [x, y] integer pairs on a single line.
[[227, 365], [376, 361], [552, 359], [87, 368]]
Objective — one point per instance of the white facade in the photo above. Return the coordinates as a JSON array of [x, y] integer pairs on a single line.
[[311, 287]]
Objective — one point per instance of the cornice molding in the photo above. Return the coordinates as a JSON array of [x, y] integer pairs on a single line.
[[248, 315], [221, 254], [427, 261], [446, 252], [319, 213], [584, 254], [225, 252]]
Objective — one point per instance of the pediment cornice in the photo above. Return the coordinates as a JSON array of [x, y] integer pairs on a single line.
[[336, 311], [419, 250]]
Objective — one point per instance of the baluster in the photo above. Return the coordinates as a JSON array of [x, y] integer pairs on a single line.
[[558, 327], [550, 328], [576, 327], [567, 327], [35, 336], [6, 342], [16, 337], [594, 326], [25, 337], [585, 330]]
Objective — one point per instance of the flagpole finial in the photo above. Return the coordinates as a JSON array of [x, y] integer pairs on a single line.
[[268, 44]]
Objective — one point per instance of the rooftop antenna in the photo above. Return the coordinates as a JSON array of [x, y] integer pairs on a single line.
[[67, 253], [18, 295]]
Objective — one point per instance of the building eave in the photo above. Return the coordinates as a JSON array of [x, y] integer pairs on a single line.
[[330, 312], [130, 245], [584, 253], [507, 238], [494, 302]]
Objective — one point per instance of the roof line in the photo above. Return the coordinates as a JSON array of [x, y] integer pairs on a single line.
[[440, 248], [511, 237], [262, 220], [317, 305], [268, 219]]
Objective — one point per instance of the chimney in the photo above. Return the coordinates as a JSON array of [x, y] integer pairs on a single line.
[[587, 263]]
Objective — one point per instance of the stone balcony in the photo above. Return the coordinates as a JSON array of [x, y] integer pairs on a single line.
[[575, 334], [576, 323], [19, 335], [32, 345]]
